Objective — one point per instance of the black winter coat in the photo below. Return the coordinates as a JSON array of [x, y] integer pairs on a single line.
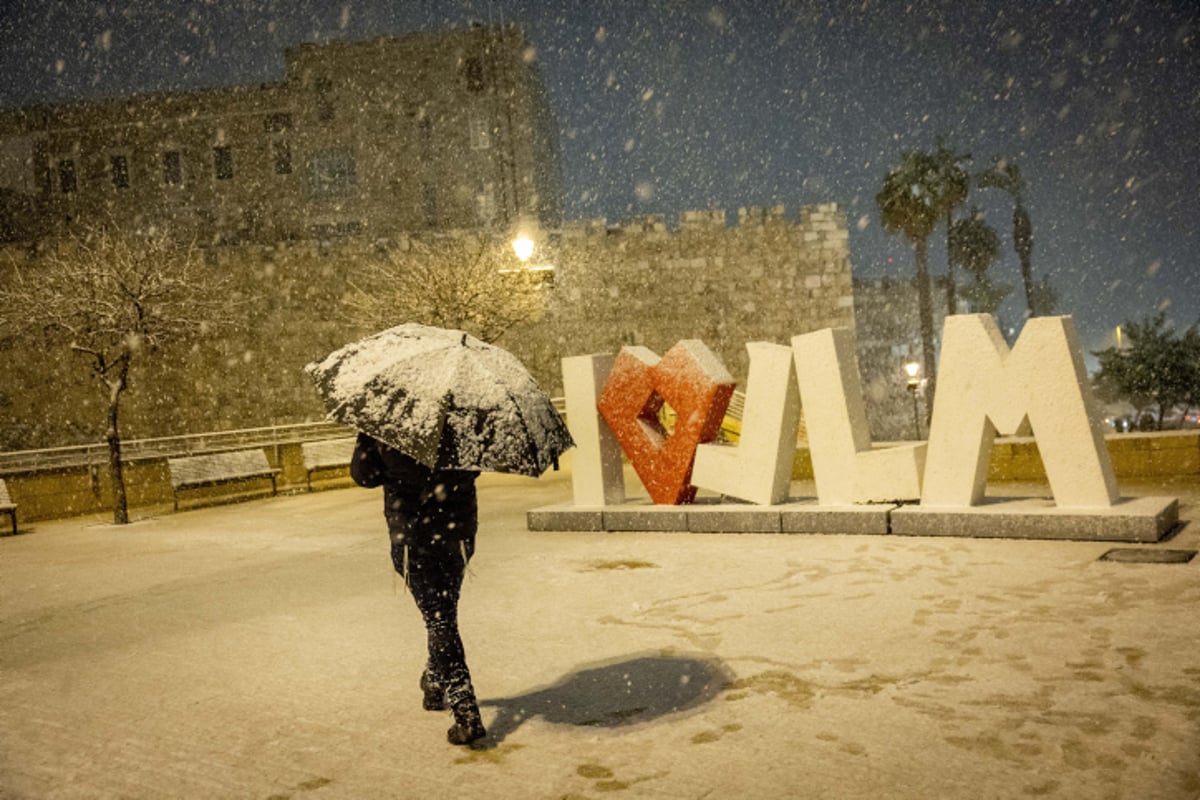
[[421, 505]]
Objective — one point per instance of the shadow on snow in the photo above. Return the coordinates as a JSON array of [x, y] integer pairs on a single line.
[[616, 693]]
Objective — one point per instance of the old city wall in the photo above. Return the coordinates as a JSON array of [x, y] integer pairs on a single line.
[[766, 278]]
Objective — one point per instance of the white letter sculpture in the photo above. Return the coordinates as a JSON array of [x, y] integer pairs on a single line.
[[846, 469], [984, 388], [597, 475], [759, 469]]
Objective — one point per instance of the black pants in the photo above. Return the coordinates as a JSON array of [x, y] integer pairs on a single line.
[[434, 576]]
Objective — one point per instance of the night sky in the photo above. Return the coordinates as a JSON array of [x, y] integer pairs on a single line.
[[667, 105]]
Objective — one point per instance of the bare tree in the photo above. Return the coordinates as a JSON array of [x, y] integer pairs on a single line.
[[461, 282], [113, 297]]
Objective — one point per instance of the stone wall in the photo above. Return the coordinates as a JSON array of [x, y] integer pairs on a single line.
[[1135, 456], [889, 336], [76, 491], [767, 278]]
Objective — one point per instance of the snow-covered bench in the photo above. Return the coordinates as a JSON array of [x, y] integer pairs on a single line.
[[190, 472], [7, 506], [326, 454]]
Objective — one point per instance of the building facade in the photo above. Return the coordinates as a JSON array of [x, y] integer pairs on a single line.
[[429, 131]]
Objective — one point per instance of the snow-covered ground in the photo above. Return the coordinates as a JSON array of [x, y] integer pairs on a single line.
[[266, 650]]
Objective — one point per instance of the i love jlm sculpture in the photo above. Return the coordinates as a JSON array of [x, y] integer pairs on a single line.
[[985, 389]]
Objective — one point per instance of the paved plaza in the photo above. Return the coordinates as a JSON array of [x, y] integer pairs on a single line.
[[266, 650]]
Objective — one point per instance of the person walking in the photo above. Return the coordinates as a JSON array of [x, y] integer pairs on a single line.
[[432, 516]]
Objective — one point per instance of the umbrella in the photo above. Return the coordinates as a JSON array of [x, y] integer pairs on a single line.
[[444, 398]]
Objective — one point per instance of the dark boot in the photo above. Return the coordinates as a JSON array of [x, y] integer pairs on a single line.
[[468, 725], [435, 696]]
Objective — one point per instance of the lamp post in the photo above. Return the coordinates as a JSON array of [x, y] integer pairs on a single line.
[[914, 383]]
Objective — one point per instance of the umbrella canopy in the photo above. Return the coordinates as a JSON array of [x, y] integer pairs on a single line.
[[444, 398]]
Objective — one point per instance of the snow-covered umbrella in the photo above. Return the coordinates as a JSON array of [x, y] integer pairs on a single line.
[[444, 398]]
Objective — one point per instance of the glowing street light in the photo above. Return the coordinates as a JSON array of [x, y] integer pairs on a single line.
[[914, 383], [523, 246], [526, 234]]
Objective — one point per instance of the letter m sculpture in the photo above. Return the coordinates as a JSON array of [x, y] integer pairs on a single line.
[[984, 389]]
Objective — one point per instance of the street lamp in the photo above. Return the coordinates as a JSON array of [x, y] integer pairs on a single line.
[[525, 237], [523, 247], [914, 383]]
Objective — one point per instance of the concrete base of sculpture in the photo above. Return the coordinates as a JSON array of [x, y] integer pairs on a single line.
[[1135, 519], [708, 515], [859, 519], [1141, 519]]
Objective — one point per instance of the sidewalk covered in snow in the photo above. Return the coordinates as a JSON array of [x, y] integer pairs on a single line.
[[266, 649]]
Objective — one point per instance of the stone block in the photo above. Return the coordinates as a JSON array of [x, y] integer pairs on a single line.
[[854, 519], [645, 517], [565, 517], [733, 519], [1140, 519]]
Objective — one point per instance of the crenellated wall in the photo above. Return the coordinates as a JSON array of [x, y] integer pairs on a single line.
[[766, 278]]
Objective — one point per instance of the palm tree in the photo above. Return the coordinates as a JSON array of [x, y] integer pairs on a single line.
[[974, 246], [1006, 176], [909, 204], [953, 184]]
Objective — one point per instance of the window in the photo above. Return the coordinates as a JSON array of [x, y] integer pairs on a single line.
[[277, 122], [325, 110], [172, 167], [485, 203], [331, 172], [281, 150], [120, 171], [223, 162], [481, 132], [473, 72], [425, 128], [429, 204], [66, 176]]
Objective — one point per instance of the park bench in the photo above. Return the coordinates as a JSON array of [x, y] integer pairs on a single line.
[[190, 472], [326, 454], [7, 506]]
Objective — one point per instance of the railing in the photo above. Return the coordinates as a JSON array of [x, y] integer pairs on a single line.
[[215, 442], [168, 446], [737, 405]]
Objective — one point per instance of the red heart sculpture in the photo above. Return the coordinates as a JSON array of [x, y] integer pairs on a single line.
[[692, 381]]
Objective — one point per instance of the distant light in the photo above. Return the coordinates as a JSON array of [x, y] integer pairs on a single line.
[[912, 368], [523, 247]]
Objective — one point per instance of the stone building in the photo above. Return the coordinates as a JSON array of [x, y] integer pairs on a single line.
[[431, 131]]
